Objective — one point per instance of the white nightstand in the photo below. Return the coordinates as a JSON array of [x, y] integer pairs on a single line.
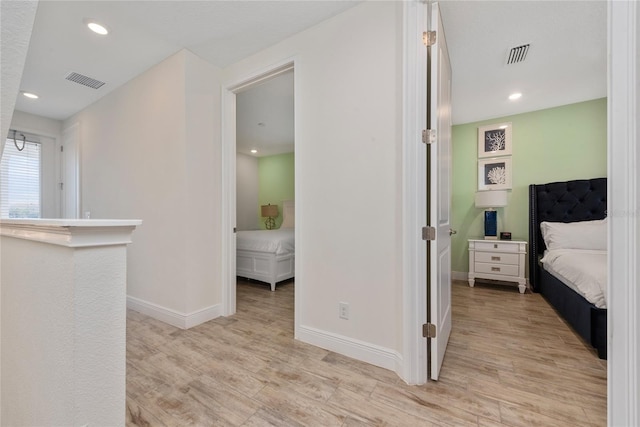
[[498, 260]]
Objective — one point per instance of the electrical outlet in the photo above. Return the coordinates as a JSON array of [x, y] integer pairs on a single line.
[[343, 310]]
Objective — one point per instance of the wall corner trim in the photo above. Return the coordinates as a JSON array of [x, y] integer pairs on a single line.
[[172, 317]]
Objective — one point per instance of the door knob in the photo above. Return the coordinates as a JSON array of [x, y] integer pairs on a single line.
[[452, 232]]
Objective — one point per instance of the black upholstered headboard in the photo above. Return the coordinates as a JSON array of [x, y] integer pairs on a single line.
[[569, 201]]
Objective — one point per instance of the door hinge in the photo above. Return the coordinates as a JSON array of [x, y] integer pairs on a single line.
[[61, 148], [429, 38], [428, 233], [429, 330], [429, 136], [235, 229], [62, 186]]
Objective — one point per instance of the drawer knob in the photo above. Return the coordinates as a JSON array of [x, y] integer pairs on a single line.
[[495, 246], [495, 258], [495, 268]]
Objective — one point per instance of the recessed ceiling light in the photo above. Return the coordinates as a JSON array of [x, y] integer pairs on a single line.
[[515, 96], [96, 28], [30, 95], [254, 151]]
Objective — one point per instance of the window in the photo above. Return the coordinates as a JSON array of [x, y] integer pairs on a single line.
[[20, 180]]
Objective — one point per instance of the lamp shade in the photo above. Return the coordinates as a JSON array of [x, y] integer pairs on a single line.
[[491, 199], [269, 210]]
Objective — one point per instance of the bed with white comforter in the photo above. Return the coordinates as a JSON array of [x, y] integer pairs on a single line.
[[584, 271], [568, 253], [279, 242], [268, 255]]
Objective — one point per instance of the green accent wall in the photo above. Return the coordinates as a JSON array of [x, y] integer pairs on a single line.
[[556, 144], [276, 179]]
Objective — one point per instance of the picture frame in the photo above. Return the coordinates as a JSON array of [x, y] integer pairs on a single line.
[[495, 174], [495, 140]]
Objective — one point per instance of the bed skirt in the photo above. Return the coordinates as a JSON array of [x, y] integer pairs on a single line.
[[589, 321], [265, 267]]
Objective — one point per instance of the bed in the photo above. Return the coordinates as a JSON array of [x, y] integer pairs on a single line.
[[570, 207], [268, 255]]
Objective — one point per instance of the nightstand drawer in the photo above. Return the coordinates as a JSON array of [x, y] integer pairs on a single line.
[[496, 247], [497, 258], [506, 270]]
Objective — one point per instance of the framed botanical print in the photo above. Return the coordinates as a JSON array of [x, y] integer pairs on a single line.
[[494, 174], [494, 140]]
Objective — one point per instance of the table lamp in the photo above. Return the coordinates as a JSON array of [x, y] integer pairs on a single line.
[[491, 199], [270, 211]]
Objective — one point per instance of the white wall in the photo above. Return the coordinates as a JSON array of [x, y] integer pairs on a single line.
[[202, 165], [247, 192], [348, 151], [150, 150]]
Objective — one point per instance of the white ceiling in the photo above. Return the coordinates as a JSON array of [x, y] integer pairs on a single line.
[[264, 117], [143, 33], [566, 62]]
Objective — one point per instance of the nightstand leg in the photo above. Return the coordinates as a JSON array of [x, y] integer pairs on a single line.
[[472, 282], [522, 287]]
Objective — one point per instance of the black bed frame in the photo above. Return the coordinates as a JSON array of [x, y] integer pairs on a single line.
[[569, 201]]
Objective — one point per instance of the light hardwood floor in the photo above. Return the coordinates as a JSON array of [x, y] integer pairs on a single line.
[[511, 361]]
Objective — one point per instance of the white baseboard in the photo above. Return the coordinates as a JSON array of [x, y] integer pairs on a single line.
[[363, 351], [172, 317], [459, 275]]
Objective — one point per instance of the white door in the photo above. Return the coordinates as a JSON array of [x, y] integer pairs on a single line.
[[439, 197]]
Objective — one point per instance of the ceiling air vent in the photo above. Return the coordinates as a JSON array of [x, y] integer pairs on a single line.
[[517, 54], [84, 80]]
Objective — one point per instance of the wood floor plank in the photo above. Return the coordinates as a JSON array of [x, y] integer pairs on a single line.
[[175, 406], [265, 417], [362, 410], [518, 416], [313, 386], [511, 361], [137, 415], [454, 397], [140, 380], [423, 405], [299, 408], [346, 379], [596, 414], [529, 402]]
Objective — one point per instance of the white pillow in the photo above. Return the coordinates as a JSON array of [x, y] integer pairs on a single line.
[[575, 235], [288, 215]]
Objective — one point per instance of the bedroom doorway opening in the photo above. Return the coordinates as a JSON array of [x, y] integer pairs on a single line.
[[259, 179]]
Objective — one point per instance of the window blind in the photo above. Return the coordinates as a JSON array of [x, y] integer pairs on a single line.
[[20, 180]]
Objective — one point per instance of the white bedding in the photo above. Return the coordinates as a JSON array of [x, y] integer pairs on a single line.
[[584, 271], [279, 242]]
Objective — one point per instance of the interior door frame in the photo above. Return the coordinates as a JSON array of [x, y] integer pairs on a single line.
[[624, 178], [623, 105], [229, 90]]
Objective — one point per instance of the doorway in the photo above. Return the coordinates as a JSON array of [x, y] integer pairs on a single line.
[[258, 135]]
